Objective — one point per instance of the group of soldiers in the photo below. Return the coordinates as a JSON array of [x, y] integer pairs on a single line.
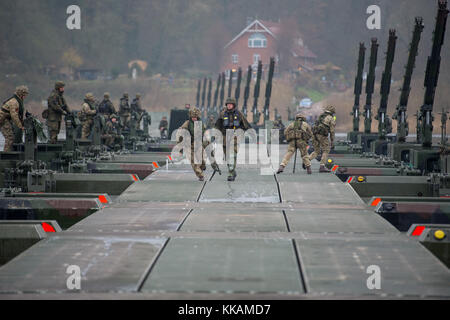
[[12, 115], [229, 119], [298, 134], [114, 124]]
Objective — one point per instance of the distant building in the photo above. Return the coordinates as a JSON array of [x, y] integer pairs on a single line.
[[259, 41]]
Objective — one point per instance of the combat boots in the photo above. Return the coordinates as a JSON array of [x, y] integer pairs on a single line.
[[308, 170], [323, 169], [280, 170], [232, 176]]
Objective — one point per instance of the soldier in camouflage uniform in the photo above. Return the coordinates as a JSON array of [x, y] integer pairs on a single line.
[[298, 135], [136, 108], [112, 135], [231, 119], [87, 114], [163, 127], [125, 111], [197, 154], [106, 107], [12, 113], [278, 125], [324, 127], [57, 107]]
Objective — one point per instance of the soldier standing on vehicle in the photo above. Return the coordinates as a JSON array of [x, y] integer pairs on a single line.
[[12, 113], [87, 114], [231, 119], [106, 107], [125, 111], [57, 107], [324, 127], [137, 109], [112, 132], [163, 127], [197, 154], [298, 134]]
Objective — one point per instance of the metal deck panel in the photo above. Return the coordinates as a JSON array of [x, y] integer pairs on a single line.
[[250, 186], [231, 265], [339, 266], [107, 263], [318, 220], [163, 191], [236, 219]]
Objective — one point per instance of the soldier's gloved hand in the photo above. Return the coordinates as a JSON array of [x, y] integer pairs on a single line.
[[27, 114]]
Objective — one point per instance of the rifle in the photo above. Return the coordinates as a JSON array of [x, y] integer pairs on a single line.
[[295, 159]]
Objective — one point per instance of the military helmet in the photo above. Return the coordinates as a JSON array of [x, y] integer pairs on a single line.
[[59, 84], [106, 95], [300, 116], [125, 94], [330, 109], [89, 96], [138, 95], [195, 113], [230, 101], [22, 90], [113, 116]]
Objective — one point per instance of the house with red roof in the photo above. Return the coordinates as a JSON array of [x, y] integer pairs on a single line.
[[260, 40]]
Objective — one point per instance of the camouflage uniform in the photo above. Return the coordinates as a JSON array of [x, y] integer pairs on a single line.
[[87, 114], [56, 108], [199, 152], [106, 107], [112, 132], [324, 126], [12, 113], [298, 135], [231, 120], [125, 111], [278, 125], [163, 127], [136, 108]]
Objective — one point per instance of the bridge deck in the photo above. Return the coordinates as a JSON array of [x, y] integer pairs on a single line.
[[263, 236]]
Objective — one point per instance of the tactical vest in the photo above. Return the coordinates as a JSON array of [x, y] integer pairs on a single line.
[[124, 106], [84, 116], [299, 132], [21, 107], [231, 120], [103, 109], [320, 127]]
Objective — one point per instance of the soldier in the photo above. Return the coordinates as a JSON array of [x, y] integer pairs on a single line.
[[106, 107], [57, 107], [323, 127], [87, 114], [125, 111], [194, 116], [278, 125], [12, 113], [112, 132], [163, 127], [136, 108], [231, 119], [298, 134]]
